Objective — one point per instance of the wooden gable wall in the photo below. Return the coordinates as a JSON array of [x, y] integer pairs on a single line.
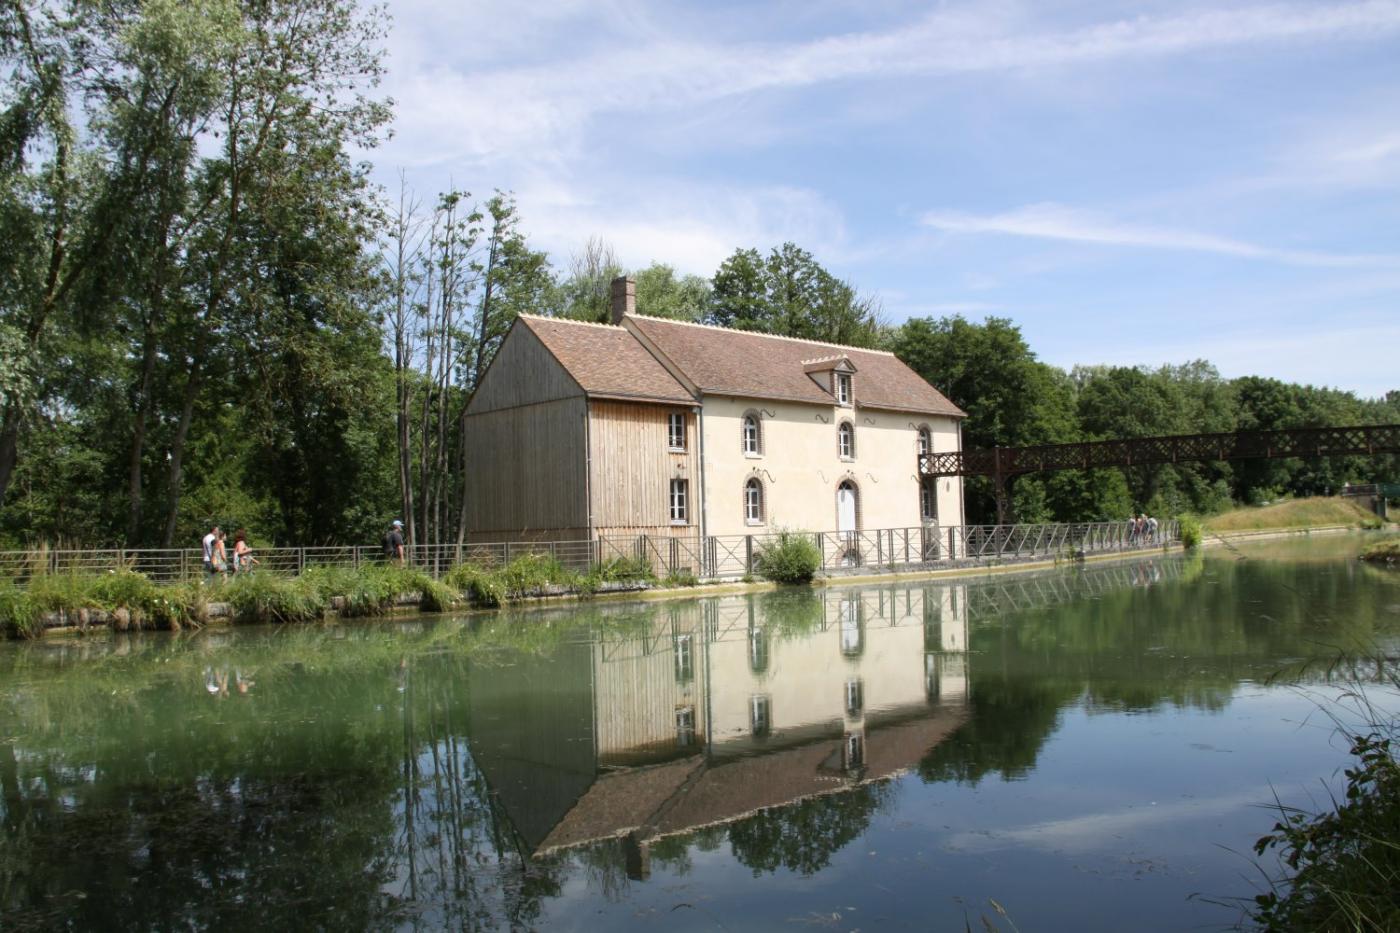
[[527, 440]]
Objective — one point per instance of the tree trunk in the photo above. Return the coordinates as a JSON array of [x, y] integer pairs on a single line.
[[138, 435], [177, 447]]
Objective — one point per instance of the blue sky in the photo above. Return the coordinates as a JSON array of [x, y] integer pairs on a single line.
[[1131, 183]]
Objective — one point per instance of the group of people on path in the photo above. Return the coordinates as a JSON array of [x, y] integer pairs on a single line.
[[1142, 529], [218, 561]]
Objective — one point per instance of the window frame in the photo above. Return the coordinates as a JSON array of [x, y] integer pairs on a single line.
[[751, 419], [846, 429], [672, 419], [924, 444], [679, 501], [843, 388], [761, 715], [758, 515], [928, 500]]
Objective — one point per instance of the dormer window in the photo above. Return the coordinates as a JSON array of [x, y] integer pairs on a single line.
[[843, 388]]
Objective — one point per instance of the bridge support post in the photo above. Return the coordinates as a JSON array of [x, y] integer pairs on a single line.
[[1001, 489]]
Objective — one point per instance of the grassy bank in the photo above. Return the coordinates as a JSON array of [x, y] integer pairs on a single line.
[[1315, 512], [127, 599], [1383, 552]]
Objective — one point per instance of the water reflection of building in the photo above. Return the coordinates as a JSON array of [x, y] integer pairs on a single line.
[[718, 708]]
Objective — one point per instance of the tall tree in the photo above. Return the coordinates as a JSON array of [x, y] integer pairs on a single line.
[[789, 293]]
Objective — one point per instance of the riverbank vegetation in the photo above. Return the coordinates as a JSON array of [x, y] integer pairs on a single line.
[[1341, 867], [131, 600], [1384, 552], [1309, 512]]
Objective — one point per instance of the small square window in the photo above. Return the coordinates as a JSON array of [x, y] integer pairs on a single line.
[[675, 430]]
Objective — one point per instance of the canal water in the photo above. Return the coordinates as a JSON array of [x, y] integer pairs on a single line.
[[1094, 748]]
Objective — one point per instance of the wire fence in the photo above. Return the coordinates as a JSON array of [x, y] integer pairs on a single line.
[[714, 557]]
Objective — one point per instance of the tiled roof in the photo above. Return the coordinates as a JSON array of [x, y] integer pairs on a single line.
[[740, 363], [606, 361]]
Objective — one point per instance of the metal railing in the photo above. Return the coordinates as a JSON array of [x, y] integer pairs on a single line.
[[712, 557]]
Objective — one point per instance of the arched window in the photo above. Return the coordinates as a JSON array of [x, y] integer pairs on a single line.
[[925, 440], [753, 502], [846, 440], [752, 435]]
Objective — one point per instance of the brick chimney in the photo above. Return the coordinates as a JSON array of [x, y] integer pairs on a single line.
[[624, 297]]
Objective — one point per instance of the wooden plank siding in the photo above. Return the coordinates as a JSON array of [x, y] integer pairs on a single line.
[[630, 469], [527, 472], [523, 372]]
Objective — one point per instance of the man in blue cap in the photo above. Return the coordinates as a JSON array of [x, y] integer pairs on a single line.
[[393, 542]]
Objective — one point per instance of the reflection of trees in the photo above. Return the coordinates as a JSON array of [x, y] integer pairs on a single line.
[[1141, 648], [803, 836], [1010, 719], [331, 795]]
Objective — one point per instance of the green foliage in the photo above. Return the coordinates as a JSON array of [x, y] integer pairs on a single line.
[[1344, 864], [1387, 551], [482, 586], [1190, 531], [789, 293], [677, 578], [267, 597], [661, 294], [792, 557], [19, 617]]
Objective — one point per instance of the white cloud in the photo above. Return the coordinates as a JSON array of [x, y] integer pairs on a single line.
[[1057, 222], [458, 111], [692, 227]]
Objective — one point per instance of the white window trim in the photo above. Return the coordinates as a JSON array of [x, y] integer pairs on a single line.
[[843, 429], [843, 382], [762, 510], [683, 499], [670, 435], [757, 452]]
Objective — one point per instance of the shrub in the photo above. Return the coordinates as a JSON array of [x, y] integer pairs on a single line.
[[1345, 864], [791, 558], [123, 589], [1190, 531]]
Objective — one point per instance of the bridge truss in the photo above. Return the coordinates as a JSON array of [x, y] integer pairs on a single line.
[[1004, 463]]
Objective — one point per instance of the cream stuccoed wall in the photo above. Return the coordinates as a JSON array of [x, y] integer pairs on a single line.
[[800, 466]]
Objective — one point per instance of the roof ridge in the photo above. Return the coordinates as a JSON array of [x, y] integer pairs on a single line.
[[759, 333], [569, 320]]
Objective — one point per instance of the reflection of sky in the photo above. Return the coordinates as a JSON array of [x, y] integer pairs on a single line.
[[1129, 812]]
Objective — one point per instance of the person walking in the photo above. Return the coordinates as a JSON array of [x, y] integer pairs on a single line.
[[243, 559], [221, 562], [209, 544], [393, 543]]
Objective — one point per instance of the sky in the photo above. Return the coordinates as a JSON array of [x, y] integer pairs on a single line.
[[1130, 183]]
